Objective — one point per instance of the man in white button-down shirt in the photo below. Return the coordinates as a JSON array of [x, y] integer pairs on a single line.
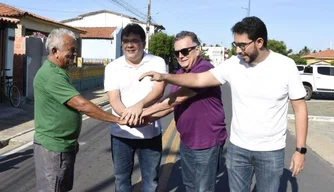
[[128, 97]]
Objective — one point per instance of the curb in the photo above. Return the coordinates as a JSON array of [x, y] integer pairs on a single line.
[[315, 118], [5, 142]]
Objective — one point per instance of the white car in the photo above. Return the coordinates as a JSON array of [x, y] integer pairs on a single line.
[[318, 79], [301, 68]]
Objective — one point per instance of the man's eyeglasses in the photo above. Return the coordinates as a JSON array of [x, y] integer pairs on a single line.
[[242, 46], [133, 41], [184, 51]]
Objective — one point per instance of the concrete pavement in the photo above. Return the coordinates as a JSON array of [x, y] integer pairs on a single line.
[[17, 124]]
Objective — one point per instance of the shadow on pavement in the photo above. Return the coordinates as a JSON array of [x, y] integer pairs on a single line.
[[285, 179], [11, 116], [10, 161], [323, 96]]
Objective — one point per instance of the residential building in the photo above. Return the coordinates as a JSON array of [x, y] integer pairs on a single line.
[[322, 57], [217, 54], [29, 50], [105, 18], [99, 43]]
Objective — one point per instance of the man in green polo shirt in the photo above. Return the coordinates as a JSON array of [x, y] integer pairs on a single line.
[[57, 115]]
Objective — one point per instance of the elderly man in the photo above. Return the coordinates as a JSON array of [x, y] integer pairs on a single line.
[[199, 118], [262, 82], [57, 115]]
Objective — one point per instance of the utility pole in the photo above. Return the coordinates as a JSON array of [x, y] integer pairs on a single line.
[[148, 23], [249, 6]]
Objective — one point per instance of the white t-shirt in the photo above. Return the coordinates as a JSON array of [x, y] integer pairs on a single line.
[[119, 75], [260, 95]]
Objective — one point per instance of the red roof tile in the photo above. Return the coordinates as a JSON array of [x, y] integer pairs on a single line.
[[327, 54], [98, 32], [9, 11], [9, 20]]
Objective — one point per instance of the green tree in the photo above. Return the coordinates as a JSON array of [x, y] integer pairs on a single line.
[[232, 51], [278, 46], [297, 58], [204, 55], [217, 45], [161, 45], [304, 51]]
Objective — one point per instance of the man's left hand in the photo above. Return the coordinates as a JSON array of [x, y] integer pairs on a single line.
[[132, 114], [297, 163]]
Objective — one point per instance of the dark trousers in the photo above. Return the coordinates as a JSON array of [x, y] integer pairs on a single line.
[[54, 170]]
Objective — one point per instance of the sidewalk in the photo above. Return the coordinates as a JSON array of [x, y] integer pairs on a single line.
[[17, 124]]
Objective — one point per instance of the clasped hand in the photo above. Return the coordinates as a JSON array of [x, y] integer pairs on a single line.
[[133, 116]]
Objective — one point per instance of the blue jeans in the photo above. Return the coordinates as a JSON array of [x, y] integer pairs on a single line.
[[267, 166], [149, 153], [199, 168]]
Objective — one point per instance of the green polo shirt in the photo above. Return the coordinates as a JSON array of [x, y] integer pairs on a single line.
[[57, 126]]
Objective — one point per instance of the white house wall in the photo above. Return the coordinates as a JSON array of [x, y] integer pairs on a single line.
[[9, 51], [98, 48], [216, 54], [106, 20]]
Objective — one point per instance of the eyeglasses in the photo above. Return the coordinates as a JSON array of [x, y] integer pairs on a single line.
[[133, 41], [242, 46], [184, 51]]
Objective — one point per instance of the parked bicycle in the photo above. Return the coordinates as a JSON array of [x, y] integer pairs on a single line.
[[9, 90]]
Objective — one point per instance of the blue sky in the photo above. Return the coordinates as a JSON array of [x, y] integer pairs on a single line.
[[298, 23]]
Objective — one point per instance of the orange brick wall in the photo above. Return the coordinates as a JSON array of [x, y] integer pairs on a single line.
[[19, 45], [18, 63]]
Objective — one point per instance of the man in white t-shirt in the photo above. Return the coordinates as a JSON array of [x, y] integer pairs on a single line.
[[262, 82], [128, 97]]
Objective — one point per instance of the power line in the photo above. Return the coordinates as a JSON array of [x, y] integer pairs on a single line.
[[130, 8]]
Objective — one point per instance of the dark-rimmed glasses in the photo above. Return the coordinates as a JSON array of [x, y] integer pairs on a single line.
[[133, 41], [242, 46], [184, 51]]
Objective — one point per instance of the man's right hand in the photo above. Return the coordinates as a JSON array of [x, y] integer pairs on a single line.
[[155, 76]]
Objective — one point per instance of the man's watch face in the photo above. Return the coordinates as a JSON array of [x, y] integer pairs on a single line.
[[301, 150]]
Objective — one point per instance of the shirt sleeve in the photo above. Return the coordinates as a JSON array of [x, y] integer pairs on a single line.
[[201, 69], [295, 84], [161, 66], [60, 87], [222, 71], [111, 78]]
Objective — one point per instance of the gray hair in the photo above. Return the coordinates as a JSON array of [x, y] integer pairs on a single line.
[[55, 39], [184, 34]]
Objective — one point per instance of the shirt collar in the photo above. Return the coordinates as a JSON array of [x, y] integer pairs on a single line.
[[146, 58]]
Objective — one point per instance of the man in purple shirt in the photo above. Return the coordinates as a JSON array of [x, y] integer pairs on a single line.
[[199, 118]]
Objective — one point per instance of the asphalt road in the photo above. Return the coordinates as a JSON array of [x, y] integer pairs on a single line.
[[94, 166]]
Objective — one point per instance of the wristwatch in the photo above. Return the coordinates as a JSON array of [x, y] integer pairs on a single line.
[[301, 150]]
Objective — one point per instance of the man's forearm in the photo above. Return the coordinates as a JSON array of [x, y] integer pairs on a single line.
[[161, 114], [118, 107], [95, 112], [152, 97], [301, 124], [168, 103], [186, 79]]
